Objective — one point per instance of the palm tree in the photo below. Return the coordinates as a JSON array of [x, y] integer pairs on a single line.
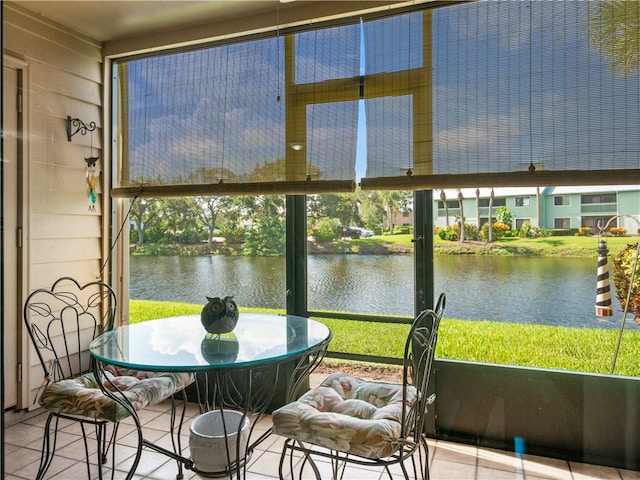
[[538, 207], [443, 199], [615, 31], [490, 236], [478, 206], [460, 198], [391, 200]]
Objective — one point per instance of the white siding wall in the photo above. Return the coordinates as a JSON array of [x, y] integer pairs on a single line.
[[64, 77]]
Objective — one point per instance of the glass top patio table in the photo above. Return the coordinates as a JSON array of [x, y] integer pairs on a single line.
[[182, 343]]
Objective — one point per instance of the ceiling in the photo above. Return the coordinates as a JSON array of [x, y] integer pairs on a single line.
[[109, 21], [114, 20]]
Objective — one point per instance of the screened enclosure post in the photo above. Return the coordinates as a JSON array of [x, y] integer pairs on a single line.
[[423, 270], [296, 255], [296, 286], [423, 250]]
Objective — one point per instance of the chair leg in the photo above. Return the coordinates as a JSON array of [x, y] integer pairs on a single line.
[[102, 447], [112, 443], [316, 472], [425, 455], [338, 466], [306, 458], [86, 452], [283, 456], [101, 459], [46, 455], [104, 442], [101, 439], [421, 471], [49, 446], [176, 441], [403, 467], [335, 468]]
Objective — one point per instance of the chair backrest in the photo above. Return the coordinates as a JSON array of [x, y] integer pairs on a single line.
[[418, 364], [63, 320]]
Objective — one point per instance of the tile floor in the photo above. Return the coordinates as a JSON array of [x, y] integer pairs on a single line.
[[449, 461]]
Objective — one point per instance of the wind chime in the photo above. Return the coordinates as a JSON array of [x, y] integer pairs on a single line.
[[92, 174]]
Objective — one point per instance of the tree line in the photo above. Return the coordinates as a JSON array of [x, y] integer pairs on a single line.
[[258, 222]]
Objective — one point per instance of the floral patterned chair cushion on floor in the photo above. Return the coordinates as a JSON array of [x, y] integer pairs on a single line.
[[82, 395], [348, 414]]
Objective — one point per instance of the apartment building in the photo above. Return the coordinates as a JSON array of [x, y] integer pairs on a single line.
[[545, 207]]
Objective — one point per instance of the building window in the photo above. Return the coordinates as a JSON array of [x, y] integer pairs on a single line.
[[562, 200], [522, 221], [562, 223], [523, 201], [599, 198], [595, 222], [497, 202], [450, 204]]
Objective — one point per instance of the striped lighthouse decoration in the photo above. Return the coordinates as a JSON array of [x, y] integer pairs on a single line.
[[603, 290]]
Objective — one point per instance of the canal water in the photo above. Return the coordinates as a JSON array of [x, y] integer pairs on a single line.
[[537, 290]]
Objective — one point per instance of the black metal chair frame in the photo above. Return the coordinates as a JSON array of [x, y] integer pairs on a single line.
[[61, 322], [417, 369]]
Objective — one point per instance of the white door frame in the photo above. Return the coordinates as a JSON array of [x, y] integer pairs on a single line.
[[21, 216]]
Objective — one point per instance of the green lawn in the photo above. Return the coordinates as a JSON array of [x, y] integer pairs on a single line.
[[554, 246], [403, 239], [562, 348], [568, 245]]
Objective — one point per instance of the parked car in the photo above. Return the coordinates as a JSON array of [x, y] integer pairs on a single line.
[[356, 232]]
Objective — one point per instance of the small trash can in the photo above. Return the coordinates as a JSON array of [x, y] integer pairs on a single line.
[[207, 440]]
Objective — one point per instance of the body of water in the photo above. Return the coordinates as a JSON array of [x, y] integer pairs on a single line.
[[539, 290]]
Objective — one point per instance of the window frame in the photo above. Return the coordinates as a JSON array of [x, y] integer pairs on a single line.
[[598, 198]]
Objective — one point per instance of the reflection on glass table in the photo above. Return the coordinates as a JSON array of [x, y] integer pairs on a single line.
[[237, 370]]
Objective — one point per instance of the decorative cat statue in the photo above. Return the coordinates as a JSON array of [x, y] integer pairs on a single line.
[[219, 315]]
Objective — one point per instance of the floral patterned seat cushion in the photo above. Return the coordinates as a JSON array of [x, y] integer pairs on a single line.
[[347, 414], [83, 396]]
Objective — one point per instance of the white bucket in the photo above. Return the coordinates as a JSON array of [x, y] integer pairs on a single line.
[[207, 440]]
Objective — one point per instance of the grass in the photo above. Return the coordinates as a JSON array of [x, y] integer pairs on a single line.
[[540, 346], [565, 245], [554, 246], [573, 246], [402, 239]]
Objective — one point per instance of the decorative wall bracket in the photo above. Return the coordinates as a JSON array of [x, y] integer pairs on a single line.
[[79, 126]]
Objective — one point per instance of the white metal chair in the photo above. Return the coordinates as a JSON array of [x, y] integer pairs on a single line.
[[350, 420], [61, 322]]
